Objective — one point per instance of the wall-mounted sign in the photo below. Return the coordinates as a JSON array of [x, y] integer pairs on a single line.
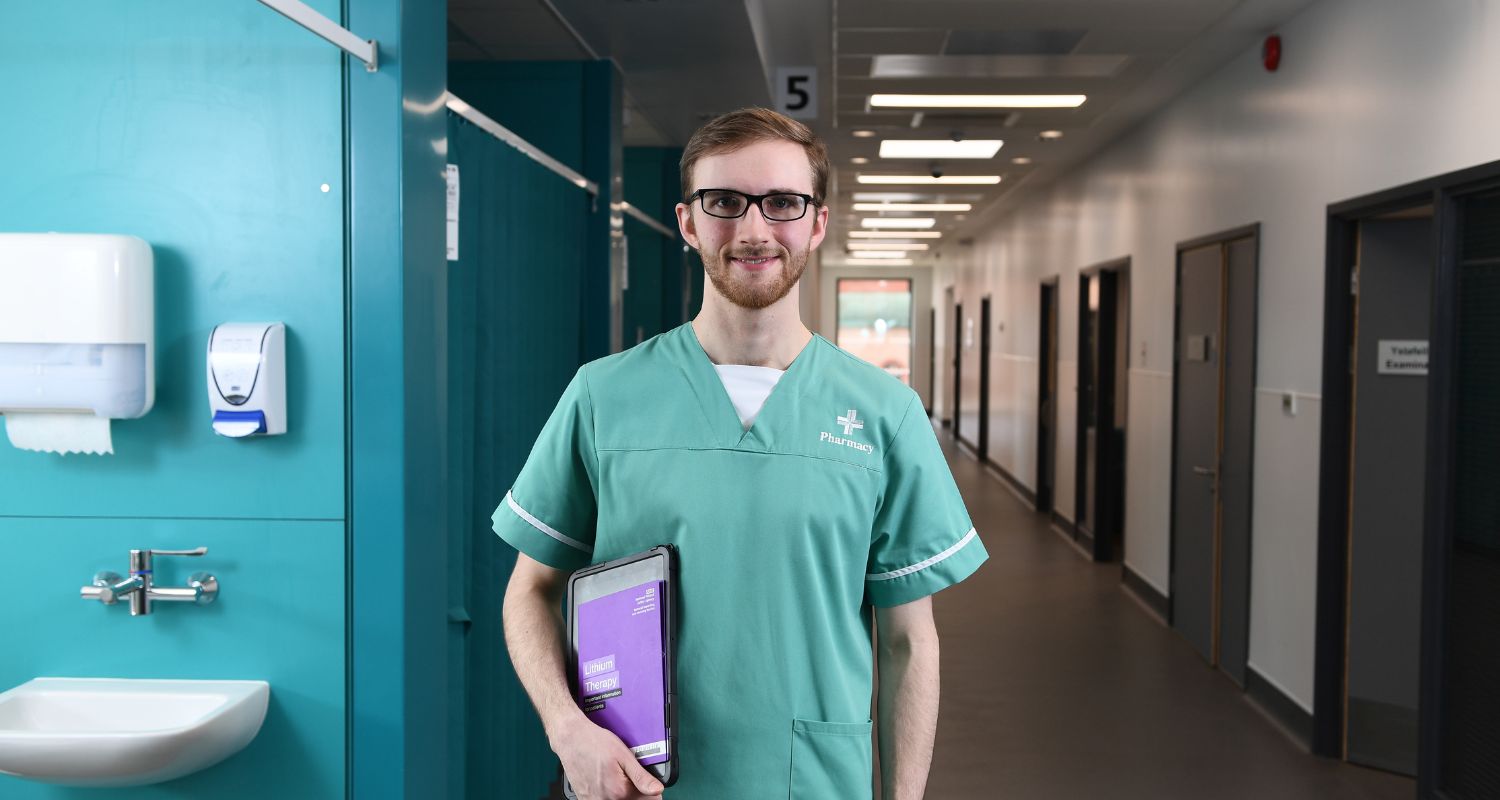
[[451, 173], [797, 92], [1402, 357]]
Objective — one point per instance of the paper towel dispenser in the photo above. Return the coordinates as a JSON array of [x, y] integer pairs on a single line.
[[77, 325], [247, 378]]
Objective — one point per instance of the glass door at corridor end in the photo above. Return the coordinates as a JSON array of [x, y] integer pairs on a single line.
[[875, 323]]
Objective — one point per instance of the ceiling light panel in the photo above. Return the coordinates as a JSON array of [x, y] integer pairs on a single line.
[[914, 223], [997, 67], [895, 235], [977, 100], [878, 262], [864, 244], [939, 148], [915, 197], [876, 254], [928, 180], [913, 207]]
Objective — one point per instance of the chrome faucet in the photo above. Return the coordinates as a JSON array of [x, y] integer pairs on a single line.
[[109, 587]]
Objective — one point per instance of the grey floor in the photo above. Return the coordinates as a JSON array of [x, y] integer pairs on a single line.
[[1058, 684]]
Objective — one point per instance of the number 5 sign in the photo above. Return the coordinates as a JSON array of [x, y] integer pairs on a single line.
[[797, 92]]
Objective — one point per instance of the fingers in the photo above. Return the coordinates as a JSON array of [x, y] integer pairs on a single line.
[[644, 781]]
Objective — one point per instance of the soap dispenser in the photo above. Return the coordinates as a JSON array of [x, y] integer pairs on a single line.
[[247, 379]]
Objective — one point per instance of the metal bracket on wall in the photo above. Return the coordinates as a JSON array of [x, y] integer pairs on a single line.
[[366, 50]]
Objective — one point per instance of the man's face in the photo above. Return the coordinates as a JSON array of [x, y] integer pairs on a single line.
[[753, 262]]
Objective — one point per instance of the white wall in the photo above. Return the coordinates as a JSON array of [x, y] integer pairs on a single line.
[[1371, 94]]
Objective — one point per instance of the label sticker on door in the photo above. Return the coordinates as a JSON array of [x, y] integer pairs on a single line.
[[1200, 348], [1402, 357]]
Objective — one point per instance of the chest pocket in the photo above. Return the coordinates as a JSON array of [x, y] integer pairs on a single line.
[[831, 759]]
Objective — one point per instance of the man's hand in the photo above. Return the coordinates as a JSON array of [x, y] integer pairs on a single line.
[[599, 766], [597, 763]]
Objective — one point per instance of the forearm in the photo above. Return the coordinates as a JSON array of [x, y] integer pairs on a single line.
[[908, 709], [534, 635]]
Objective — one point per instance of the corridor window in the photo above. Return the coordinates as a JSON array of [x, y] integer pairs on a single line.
[[875, 323]]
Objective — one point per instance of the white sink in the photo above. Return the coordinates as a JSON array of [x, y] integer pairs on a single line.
[[121, 732]]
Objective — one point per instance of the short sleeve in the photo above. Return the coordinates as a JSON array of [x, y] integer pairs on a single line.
[[550, 512], [923, 541]]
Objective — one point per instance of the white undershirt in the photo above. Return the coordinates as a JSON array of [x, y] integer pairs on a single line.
[[748, 388]]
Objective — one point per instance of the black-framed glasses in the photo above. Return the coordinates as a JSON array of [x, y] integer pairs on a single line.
[[730, 204]]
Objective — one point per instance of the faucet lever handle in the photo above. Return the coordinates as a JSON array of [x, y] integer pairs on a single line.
[[197, 551]]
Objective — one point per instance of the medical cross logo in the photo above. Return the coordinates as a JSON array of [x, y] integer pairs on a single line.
[[850, 424]]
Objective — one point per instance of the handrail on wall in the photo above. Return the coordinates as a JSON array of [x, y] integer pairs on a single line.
[[366, 50], [508, 136]]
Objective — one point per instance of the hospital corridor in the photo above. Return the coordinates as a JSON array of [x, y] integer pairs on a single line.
[[750, 399]]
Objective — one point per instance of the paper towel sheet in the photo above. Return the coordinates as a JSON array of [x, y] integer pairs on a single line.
[[59, 433]]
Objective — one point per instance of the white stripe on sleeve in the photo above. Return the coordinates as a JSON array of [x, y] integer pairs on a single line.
[[921, 565], [544, 527]]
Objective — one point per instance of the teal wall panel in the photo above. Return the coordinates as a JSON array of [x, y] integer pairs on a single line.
[[208, 130], [399, 625], [279, 618], [213, 148], [514, 340]]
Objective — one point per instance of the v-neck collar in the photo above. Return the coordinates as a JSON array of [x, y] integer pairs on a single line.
[[714, 398]]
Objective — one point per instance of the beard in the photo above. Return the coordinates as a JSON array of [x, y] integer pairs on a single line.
[[749, 290]]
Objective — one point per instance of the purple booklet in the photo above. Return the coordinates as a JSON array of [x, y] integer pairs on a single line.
[[621, 685]]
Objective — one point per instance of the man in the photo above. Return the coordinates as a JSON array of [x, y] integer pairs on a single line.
[[801, 486]]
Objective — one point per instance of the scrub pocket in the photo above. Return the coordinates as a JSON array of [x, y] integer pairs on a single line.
[[831, 760]]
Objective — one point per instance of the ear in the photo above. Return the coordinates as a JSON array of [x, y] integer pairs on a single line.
[[686, 225], [820, 227]]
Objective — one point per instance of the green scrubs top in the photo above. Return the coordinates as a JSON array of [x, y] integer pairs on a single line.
[[836, 499]]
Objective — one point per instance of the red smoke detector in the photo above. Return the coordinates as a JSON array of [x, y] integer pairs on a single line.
[[1270, 53]]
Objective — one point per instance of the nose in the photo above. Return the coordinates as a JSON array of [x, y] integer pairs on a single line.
[[754, 228]]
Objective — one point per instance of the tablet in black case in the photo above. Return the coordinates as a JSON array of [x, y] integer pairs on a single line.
[[621, 666]]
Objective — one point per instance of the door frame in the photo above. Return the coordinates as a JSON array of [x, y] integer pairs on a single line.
[[958, 368], [1222, 237], [982, 446], [931, 359], [1329, 676], [1047, 336], [1100, 547]]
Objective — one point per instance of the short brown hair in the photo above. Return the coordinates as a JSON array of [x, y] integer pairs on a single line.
[[729, 132]]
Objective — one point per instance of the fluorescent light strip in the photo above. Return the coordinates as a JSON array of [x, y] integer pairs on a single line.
[[895, 234], [885, 254], [939, 148], [878, 262], [913, 207], [928, 180], [977, 100], [897, 222], [903, 246]]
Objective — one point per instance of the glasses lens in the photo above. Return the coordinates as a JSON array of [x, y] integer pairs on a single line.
[[725, 204], [784, 207]]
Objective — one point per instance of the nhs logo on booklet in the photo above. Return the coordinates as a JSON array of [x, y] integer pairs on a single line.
[[621, 686]]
